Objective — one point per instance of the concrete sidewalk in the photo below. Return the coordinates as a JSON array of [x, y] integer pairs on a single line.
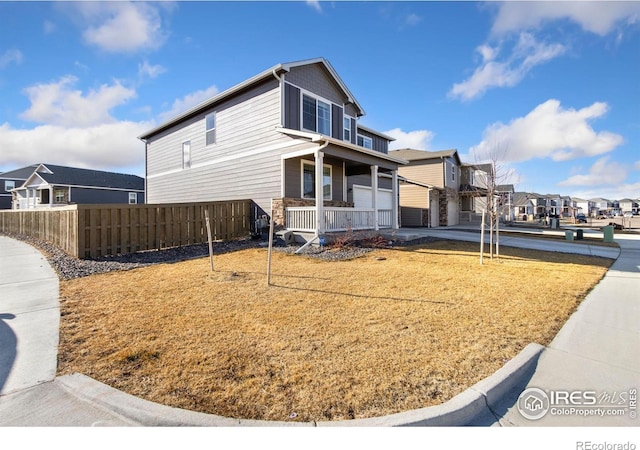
[[595, 351], [29, 321]]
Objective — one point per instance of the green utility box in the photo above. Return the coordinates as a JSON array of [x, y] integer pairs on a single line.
[[568, 235], [607, 232]]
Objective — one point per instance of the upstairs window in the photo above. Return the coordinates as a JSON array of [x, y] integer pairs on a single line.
[[346, 129], [210, 120], [316, 115], [8, 185], [133, 198], [186, 155], [366, 142], [453, 173]]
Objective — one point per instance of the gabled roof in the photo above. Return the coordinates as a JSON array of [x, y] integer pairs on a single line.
[[273, 72], [505, 188], [72, 176], [19, 174], [521, 198], [422, 155]]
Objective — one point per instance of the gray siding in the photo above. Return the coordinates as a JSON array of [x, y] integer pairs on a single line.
[[293, 177], [314, 78], [379, 144], [87, 196], [292, 107], [243, 163]]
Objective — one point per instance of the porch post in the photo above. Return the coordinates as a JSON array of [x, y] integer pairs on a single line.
[[50, 196], [319, 160], [374, 196], [394, 199]]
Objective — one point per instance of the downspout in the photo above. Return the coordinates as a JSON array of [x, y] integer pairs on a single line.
[[318, 189], [282, 103]]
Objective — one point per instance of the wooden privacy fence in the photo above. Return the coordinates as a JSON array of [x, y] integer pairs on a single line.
[[102, 230]]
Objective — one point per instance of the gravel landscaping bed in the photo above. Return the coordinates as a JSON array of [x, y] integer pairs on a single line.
[[69, 267]]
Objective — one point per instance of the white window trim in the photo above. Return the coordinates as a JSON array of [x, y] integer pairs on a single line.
[[346, 118], [7, 183], [209, 130], [55, 195], [365, 139], [304, 162], [134, 196], [186, 155], [317, 98]]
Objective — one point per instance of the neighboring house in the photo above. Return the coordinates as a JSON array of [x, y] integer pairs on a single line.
[[626, 205], [523, 206], [601, 206], [474, 180], [10, 180], [540, 202], [584, 206], [432, 183], [504, 194], [50, 185], [289, 139]]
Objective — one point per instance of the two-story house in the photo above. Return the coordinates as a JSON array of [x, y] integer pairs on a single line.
[[289, 139], [601, 206], [429, 193], [628, 205]]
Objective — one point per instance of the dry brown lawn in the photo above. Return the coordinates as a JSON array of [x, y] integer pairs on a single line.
[[388, 332]]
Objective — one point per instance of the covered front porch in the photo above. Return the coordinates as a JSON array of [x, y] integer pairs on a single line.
[[39, 197], [333, 189]]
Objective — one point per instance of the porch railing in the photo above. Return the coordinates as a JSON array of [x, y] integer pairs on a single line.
[[303, 218]]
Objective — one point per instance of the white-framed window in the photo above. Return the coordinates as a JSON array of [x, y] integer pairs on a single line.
[[316, 115], [365, 141], [346, 127], [9, 184], [186, 155], [59, 195], [210, 126], [309, 181], [133, 198], [453, 173]]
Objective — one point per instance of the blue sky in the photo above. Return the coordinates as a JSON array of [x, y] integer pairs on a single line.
[[548, 89]]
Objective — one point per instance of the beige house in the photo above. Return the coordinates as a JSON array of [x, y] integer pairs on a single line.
[[430, 187]]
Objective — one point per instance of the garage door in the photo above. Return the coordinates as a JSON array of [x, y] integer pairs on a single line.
[[362, 197]]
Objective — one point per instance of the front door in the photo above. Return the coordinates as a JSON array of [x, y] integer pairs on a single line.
[[45, 198]]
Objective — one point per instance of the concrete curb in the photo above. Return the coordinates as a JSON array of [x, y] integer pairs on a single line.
[[463, 409]]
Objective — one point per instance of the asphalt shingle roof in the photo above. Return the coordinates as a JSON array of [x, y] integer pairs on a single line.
[[72, 176]]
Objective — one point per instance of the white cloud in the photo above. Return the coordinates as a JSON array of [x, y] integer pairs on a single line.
[[602, 172], [526, 54], [549, 131], [596, 17], [10, 56], [417, 139], [412, 20], [58, 103], [106, 146], [189, 101], [617, 192], [122, 26], [147, 70], [315, 4]]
